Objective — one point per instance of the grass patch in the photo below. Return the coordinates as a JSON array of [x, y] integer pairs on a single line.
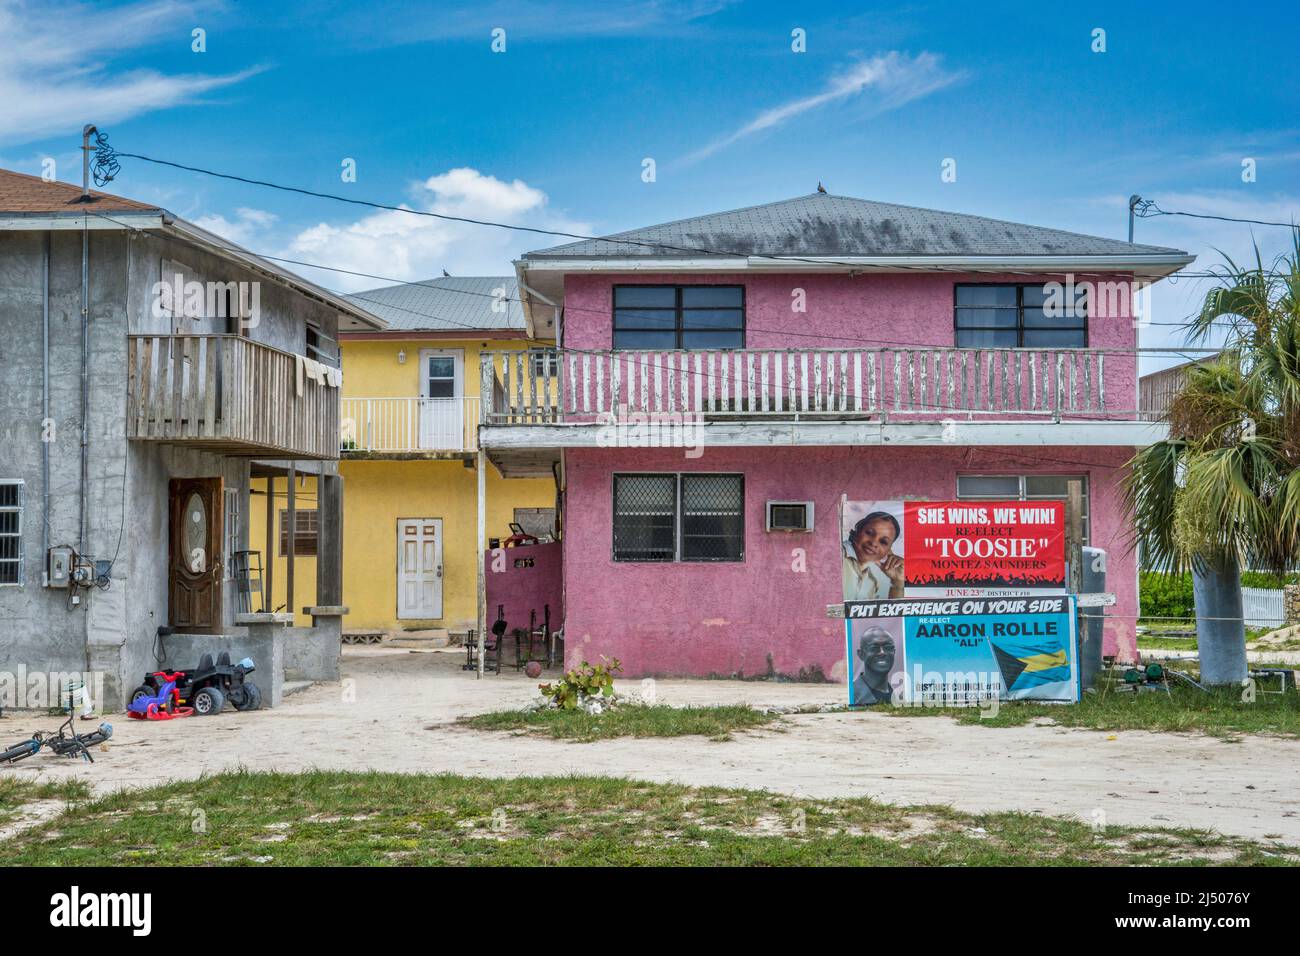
[[16, 792], [625, 720], [1220, 713], [364, 819]]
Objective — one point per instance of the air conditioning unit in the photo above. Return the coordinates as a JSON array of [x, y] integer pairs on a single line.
[[789, 516]]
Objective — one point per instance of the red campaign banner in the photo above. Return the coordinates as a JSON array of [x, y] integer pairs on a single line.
[[984, 544]]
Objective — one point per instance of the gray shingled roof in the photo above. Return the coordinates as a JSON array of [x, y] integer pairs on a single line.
[[447, 304], [825, 225]]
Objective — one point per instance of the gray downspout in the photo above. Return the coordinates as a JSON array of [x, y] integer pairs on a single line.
[[45, 404], [85, 368]]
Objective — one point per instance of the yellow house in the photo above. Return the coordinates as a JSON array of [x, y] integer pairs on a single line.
[[410, 413]]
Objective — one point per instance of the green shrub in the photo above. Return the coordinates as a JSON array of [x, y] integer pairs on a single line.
[[1166, 595], [1171, 595], [582, 683]]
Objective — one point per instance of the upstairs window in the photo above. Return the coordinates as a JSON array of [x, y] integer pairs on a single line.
[[1019, 316], [679, 316]]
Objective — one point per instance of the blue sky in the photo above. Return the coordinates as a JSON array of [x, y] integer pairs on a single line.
[[553, 131]]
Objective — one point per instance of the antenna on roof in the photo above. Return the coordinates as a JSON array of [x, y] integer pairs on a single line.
[[820, 187]]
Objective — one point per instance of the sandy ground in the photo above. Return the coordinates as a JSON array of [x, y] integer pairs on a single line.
[[396, 710]]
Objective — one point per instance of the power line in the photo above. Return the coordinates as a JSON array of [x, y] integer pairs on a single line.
[[1183, 353], [106, 154], [1148, 209]]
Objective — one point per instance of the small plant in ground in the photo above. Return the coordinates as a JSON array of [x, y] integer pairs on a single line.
[[589, 686]]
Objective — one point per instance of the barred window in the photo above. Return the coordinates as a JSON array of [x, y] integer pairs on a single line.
[[304, 532], [687, 517], [11, 531]]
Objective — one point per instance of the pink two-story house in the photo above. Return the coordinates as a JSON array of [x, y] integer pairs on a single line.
[[805, 352]]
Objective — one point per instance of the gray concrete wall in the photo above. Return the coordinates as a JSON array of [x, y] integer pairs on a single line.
[[312, 653], [126, 493], [266, 648]]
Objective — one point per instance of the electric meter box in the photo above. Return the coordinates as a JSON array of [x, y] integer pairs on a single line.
[[59, 568]]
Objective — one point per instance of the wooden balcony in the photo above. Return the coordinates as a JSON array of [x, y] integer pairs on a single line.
[[229, 394], [549, 386], [409, 426]]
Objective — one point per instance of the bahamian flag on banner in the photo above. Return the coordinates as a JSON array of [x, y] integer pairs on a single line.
[[1025, 666]]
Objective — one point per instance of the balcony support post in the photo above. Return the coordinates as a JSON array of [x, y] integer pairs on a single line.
[[329, 545], [481, 632]]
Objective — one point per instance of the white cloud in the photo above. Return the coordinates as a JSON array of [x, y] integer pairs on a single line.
[[54, 74], [888, 81], [248, 228], [406, 247]]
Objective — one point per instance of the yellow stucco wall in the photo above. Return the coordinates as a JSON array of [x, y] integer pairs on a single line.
[[376, 493]]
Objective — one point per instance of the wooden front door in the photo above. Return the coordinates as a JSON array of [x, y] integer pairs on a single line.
[[194, 554]]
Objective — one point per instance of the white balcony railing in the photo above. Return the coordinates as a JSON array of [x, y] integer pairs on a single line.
[[541, 386], [398, 425]]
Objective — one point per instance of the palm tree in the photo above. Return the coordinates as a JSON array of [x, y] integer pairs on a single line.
[[1224, 487]]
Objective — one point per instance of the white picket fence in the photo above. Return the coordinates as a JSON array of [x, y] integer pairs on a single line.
[[1262, 607]]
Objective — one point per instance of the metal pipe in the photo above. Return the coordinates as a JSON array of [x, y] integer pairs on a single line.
[[45, 401], [85, 384], [85, 335]]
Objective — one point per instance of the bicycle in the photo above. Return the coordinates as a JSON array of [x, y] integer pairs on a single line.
[[65, 742]]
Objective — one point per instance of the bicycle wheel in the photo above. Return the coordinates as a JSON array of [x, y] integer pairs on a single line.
[[20, 751]]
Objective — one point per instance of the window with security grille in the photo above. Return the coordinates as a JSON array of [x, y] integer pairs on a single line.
[[11, 531], [1023, 488], [645, 517], [689, 517], [713, 518]]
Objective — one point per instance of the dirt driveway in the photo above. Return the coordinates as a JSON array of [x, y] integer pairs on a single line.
[[395, 711]]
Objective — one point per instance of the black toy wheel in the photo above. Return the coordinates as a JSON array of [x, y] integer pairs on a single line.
[[251, 698], [144, 690], [208, 701]]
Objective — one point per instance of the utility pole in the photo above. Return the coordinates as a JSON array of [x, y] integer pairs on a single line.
[[1132, 205]]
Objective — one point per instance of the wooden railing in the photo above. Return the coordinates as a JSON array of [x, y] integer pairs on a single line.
[[540, 386], [401, 425], [228, 393]]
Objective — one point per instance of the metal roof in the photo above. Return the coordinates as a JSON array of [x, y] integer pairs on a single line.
[[821, 224], [447, 304]]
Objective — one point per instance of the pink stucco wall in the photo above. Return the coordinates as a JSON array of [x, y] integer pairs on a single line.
[[518, 591], [846, 312], [764, 616]]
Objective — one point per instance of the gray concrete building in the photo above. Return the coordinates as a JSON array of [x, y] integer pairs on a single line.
[[148, 370]]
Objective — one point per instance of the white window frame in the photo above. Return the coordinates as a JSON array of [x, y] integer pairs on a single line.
[[15, 509], [232, 530], [1023, 493]]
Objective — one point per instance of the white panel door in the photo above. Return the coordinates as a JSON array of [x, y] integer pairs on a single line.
[[442, 399], [419, 568]]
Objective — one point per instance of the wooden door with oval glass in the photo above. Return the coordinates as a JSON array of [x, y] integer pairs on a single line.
[[194, 554]]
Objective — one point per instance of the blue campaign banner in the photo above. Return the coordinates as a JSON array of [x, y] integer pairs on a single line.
[[961, 651]]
